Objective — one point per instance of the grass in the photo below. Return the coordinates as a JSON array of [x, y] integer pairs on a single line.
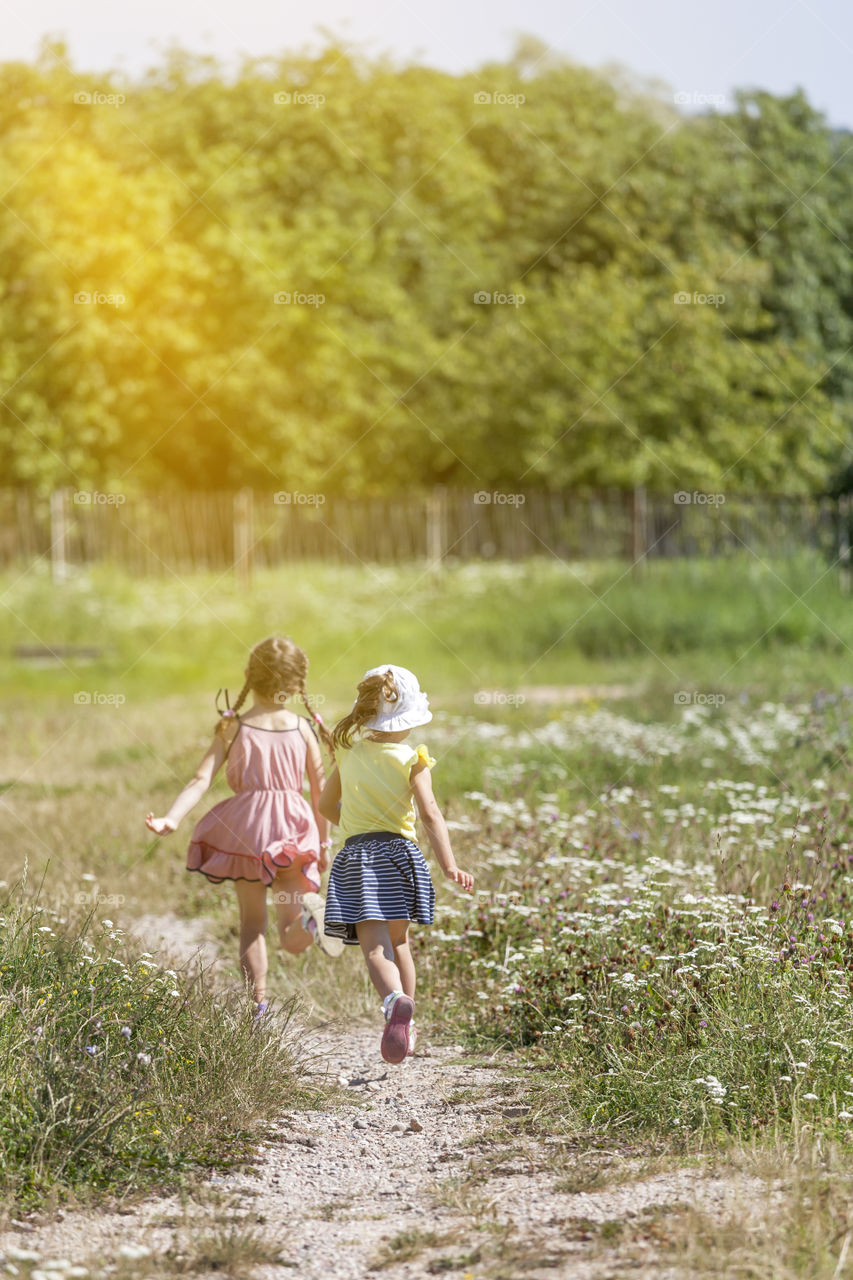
[[657, 1019], [117, 1075], [786, 1213], [469, 629], [633, 942], [404, 1246], [229, 1246], [777, 1208]]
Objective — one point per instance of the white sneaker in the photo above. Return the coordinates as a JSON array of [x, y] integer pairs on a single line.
[[314, 913]]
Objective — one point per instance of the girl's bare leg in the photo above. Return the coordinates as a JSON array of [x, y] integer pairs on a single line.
[[287, 897], [378, 950], [252, 897], [403, 957]]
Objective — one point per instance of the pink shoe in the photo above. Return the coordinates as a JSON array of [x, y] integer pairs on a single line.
[[395, 1037], [413, 1039]]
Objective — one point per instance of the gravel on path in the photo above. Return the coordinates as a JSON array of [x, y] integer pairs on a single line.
[[392, 1172]]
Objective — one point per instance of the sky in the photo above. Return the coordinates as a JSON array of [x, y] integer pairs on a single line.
[[702, 50]]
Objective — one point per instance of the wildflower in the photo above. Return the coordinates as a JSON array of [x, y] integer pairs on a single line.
[[92, 1050], [126, 1032], [716, 1090], [144, 1058]]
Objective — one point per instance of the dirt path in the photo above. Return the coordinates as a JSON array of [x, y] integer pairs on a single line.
[[416, 1167], [424, 1169]]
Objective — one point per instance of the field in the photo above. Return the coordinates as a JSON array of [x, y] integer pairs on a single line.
[[662, 934]]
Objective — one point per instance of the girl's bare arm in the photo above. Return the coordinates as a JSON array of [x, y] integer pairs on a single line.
[[316, 781], [208, 767], [329, 803], [435, 826]]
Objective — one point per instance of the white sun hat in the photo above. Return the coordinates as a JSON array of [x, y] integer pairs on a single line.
[[411, 707]]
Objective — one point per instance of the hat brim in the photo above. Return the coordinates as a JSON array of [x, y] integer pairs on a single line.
[[394, 723]]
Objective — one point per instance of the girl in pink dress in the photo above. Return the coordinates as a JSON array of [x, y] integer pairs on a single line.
[[267, 833]]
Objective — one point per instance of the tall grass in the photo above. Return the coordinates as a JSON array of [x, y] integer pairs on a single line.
[[464, 628], [116, 1074], [678, 953]]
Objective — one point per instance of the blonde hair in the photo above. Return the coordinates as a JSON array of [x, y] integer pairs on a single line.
[[276, 666], [369, 695]]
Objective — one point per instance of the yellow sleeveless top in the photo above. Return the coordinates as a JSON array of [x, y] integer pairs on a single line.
[[376, 794]]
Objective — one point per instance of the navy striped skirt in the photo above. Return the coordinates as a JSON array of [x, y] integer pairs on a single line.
[[377, 876]]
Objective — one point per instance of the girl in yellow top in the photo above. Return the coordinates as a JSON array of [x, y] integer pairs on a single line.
[[380, 881]]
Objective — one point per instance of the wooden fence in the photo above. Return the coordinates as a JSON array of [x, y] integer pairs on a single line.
[[173, 532]]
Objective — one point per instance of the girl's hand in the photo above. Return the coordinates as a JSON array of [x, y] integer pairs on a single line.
[[161, 826], [463, 878], [323, 860]]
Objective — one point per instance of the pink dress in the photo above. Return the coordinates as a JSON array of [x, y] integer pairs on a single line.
[[267, 823]]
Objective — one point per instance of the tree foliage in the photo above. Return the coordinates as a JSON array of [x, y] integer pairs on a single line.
[[397, 195]]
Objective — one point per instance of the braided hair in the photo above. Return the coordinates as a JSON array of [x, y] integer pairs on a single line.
[[277, 668]]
